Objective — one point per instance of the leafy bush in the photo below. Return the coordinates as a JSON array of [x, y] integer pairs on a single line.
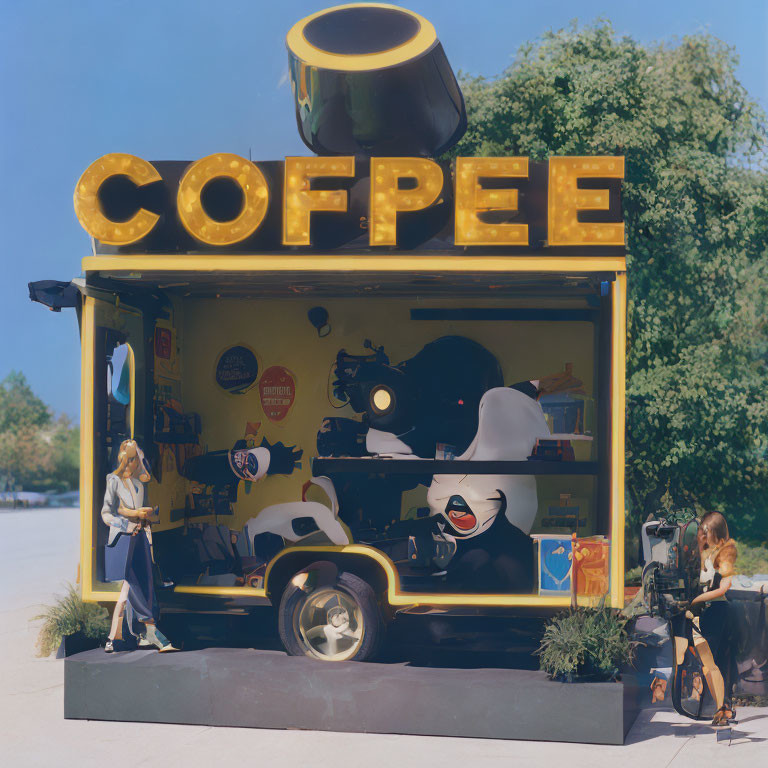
[[68, 615], [587, 642]]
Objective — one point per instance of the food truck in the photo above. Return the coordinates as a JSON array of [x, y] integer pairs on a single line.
[[373, 380]]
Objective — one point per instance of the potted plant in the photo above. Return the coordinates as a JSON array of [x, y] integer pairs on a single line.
[[586, 644], [71, 625]]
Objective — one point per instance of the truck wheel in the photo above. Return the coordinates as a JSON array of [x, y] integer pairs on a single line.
[[339, 621]]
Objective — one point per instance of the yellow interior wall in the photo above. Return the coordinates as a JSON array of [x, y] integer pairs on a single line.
[[279, 333], [171, 491]]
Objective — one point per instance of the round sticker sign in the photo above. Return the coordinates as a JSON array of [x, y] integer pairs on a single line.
[[277, 390], [237, 370]]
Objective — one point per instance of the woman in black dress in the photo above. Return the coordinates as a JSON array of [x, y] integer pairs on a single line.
[[712, 629]]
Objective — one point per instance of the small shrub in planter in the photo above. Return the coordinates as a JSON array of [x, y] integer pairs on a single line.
[[585, 644], [87, 624]]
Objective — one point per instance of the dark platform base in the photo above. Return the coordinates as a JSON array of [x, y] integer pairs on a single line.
[[267, 689]]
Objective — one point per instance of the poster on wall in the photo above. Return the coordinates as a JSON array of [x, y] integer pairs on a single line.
[[277, 390], [166, 359], [237, 370], [555, 561]]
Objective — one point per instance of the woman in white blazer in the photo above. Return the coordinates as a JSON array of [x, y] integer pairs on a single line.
[[128, 554]]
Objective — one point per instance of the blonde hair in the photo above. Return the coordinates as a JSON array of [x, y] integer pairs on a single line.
[[129, 450]]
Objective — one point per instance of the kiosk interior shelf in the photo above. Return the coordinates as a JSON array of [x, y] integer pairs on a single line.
[[385, 466]]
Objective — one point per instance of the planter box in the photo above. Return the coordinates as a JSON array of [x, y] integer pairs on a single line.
[[267, 689], [77, 643]]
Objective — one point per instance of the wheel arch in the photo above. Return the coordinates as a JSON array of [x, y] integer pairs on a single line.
[[376, 569]]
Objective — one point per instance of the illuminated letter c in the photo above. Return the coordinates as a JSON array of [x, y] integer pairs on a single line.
[[88, 206]]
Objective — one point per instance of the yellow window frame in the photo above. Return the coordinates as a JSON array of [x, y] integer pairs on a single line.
[[137, 263]]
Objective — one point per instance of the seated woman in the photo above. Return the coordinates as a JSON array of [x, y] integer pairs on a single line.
[[712, 630]]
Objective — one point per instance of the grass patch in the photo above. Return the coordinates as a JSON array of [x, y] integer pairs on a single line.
[[751, 560]]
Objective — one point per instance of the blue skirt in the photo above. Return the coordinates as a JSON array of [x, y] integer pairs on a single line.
[[129, 558]]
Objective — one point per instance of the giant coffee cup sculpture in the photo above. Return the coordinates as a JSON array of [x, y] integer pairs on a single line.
[[373, 81]]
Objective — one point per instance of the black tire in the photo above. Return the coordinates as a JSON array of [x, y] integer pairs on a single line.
[[296, 604]]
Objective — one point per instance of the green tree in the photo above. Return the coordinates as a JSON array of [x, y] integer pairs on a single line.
[[65, 454], [696, 211], [24, 458], [36, 451], [19, 405]]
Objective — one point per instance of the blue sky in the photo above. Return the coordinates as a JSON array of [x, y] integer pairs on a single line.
[[177, 80]]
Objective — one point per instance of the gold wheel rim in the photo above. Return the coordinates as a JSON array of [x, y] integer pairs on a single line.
[[330, 625]]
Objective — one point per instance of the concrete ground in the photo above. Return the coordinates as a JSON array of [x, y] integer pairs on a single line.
[[38, 554]]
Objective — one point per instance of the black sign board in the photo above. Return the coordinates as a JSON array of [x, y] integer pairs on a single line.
[[237, 370]]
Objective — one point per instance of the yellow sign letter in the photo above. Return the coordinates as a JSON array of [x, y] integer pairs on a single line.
[[299, 200], [472, 199], [387, 199], [190, 207], [566, 200], [88, 206]]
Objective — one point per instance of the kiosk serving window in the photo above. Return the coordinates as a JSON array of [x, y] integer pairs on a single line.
[[457, 426]]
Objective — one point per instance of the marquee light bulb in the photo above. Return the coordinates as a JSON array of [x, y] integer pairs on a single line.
[[300, 200], [387, 200], [88, 207], [472, 199], [190, 208]]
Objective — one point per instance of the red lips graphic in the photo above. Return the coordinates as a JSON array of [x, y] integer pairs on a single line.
[[464, 521]]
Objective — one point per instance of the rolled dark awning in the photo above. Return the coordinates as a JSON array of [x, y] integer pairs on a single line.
[[54, 294]]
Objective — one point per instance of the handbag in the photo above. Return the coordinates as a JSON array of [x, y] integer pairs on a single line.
[[116, 554], [116, 557]]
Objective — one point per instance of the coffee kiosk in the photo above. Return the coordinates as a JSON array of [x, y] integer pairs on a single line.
[[377, 379]]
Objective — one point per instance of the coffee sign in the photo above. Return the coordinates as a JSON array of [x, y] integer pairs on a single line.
[[230, 204]]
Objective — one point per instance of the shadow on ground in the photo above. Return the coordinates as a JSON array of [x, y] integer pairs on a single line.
[[468, 642]]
